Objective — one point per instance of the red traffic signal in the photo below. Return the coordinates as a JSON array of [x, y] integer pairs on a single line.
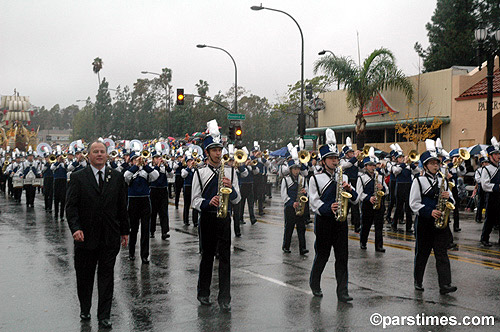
[[180, 96]]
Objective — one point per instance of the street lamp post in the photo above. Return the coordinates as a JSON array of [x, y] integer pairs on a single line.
[[325, 51], [167, 101], [488, 43], [302, 117], [235, 73]]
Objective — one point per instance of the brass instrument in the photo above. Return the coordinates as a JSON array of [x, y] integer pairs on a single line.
[[301, 198], [342, 197], [240, 156], [85, 154], [364, 153], [378, 194], [223, 193], [65, 155], [225, 157], [145, 154], [443, 205], [413, 156], [266, 154], [304, 156], [113, 154], [254, 162], [194, 154], [314, 154], [5, 164], [52, 158], [463, 155]]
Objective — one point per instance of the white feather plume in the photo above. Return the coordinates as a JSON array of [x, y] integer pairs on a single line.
[[371, 152], [301, 144], [230, 148], [439, 144], [330, 137], [393, 147], [348, 142], [398, 148], [430, 145], [494, 142], [127, 145], [445, 154], [484, 153], [213, 128], [245, 149]]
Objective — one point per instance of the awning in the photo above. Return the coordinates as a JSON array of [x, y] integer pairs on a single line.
[[375, 125]]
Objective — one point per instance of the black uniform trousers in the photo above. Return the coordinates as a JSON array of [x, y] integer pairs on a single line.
[[159, 207], [456, 216], [369, 217], [48, 192], [402, 205], [481, 203], [187, 207], [139, 213], [60, 195], [292, 220], [10, 186], [179, 182], [492, 215], [215, 235], [86, 262], [246, 191], [392, 198], [236, 218], [354, 208], [30, 191], [430, 238], [258, 191], [330, 233]]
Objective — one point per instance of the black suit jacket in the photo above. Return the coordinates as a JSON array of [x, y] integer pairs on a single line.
[[102, 216]]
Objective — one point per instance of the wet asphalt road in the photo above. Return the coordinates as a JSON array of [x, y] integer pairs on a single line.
[[269, 289]]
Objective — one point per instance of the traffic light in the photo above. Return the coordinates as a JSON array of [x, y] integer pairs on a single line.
[[231, 135], [309, 91], [180, 96], [237, 132]]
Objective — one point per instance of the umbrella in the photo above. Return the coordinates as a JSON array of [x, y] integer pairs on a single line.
[[283, 152], [476, 149]]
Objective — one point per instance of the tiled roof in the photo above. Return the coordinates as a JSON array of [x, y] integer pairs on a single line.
[[480, 88]]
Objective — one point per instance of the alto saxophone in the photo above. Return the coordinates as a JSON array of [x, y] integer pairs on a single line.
[[301, 199], [378, 194], [443, 205], [223, 193], [342, 197]]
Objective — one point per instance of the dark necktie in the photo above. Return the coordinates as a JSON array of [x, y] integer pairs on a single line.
[[101, 181]]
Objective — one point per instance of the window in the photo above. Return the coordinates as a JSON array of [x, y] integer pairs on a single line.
[[390, 134], [375, 136]]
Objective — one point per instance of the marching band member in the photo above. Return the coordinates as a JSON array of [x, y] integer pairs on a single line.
[[456, 172], [329, 231], [138, 177], [242, 173], [159, 196], [215, 228], [426, 191], [48, 183], [187, 176], [259, 177], [178, 166], [79, 162], [59, 168], [14, 170], [490, 181], [293, 187], [351, 167], [368, 186], [392, 183], [30, 172], [478, 190], [403, 173], [247, 191]]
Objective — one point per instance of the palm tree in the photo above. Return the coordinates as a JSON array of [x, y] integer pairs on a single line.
[[97, 66], [378, 72]]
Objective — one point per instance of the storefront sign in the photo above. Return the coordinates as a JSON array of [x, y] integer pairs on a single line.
[[481, 106]]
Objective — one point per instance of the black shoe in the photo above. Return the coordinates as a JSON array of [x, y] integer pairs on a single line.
[[286, 251], [152, 236], [131, 258], [394, 228], [317, 293], [409, 231], [106, 323], [145, 261], [165, 236], [195, 225], [486, 243], [418, 286], [242, 222], [357, 230], [362, 246], [304, 252], [452, 246], [457, 229], [225, 307], [238, 235], [479, 221], [253, 221], [344, 298], [380, 249], [204, 300], [84, 317], [186, 223], [447, 289]]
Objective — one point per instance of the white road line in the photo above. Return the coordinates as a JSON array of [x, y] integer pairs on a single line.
[[276, 281]]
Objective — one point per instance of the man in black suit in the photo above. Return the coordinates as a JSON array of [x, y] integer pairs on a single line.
[[96, 209]]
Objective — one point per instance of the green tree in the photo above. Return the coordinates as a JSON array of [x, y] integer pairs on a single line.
[[83, 124], [102, 109], [378, 72], [451, 35], [96, 68]]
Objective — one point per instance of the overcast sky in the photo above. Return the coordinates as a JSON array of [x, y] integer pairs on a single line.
[[47, 46]]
